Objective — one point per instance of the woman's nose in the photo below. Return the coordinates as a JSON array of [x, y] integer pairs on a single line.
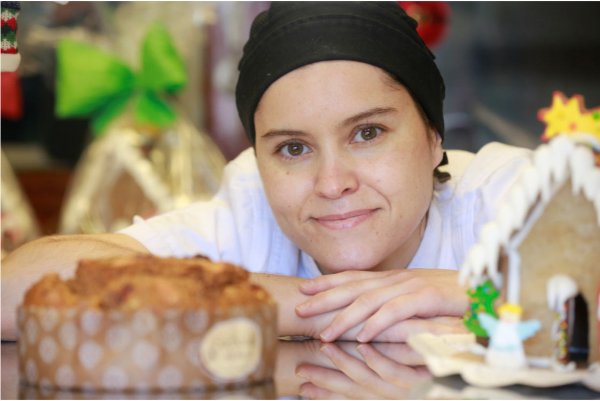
[[336, 177]]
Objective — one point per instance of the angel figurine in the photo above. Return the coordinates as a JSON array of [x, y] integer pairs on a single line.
[[505, 349]]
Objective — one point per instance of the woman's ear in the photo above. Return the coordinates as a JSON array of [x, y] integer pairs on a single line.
[[437, 152]]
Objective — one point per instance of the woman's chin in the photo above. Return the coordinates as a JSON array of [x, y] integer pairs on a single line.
[[329, 265]]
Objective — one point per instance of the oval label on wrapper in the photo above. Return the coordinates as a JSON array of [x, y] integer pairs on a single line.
[[231, 349]]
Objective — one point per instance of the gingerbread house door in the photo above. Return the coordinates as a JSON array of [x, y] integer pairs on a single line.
[[571, 327], [578, 329]]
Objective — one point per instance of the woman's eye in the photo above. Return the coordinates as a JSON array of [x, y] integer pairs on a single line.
[[367, 134], [293, 149]]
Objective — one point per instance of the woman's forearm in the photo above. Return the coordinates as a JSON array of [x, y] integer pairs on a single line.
[[285, 291], [54, 254]]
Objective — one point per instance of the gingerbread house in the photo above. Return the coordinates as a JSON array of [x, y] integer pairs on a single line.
[[542, 251]]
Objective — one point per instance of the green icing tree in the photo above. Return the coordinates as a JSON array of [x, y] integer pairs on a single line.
[[481, 299]]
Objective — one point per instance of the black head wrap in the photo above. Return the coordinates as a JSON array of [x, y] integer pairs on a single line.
[[292, 34]]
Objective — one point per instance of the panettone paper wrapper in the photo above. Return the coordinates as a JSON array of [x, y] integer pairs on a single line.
[[258, 391], [90, 350], [133, 171]]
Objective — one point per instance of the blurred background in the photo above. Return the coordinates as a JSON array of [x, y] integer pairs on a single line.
[[501, 62]]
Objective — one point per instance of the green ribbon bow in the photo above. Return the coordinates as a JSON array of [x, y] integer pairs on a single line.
[[92, 82]]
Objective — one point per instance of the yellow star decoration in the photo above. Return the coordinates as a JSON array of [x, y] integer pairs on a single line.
[[569, 116]]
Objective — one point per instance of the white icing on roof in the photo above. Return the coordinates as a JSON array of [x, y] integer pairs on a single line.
[[551, 165], [560, 287]]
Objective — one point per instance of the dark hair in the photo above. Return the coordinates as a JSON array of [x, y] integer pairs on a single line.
[[441, 176], [292, 34]]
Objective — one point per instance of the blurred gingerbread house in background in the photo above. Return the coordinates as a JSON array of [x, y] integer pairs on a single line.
[[147, 157], [542, 251]]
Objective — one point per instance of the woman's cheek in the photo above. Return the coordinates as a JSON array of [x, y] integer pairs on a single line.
[[285, 191]]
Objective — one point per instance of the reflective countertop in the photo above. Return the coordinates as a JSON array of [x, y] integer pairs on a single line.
[[311, 369]]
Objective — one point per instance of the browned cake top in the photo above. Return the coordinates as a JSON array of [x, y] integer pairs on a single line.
[[128, 283]]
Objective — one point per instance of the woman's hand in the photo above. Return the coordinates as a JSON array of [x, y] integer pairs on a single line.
[[363, 371], [383, 301]]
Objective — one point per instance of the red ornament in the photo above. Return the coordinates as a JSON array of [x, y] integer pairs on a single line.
[[11, 23], [12, 98], [432, 18]]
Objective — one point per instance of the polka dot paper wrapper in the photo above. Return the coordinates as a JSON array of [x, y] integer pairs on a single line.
[[260, 391], [92, 350]]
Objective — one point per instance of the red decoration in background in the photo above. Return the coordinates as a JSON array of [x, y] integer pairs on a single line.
[[432, 18], [598, 316], [11, 23], [12, 98]]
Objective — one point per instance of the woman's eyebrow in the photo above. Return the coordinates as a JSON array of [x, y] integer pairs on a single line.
[[366, 114], [282, 132]]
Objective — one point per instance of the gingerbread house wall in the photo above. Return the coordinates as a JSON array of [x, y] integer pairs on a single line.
[[565, 239]]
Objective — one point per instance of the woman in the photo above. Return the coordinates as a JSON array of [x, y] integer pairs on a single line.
[[341, 192]]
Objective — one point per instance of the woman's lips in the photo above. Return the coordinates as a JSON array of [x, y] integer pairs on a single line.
[[345, 221]]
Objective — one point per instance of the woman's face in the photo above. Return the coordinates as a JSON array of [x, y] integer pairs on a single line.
[[347, 164]]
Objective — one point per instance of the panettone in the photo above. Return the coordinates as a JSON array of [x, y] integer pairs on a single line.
[[147, 323]]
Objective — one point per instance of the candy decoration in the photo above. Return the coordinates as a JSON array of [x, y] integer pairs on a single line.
[[569, 116], [10, 51], [481, 300]]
